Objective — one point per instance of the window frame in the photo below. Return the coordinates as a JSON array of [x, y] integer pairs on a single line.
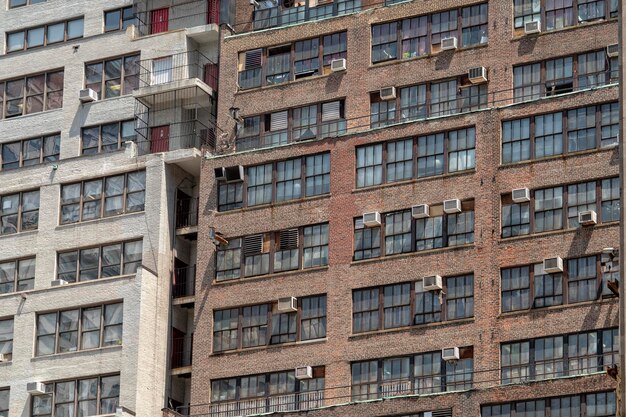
[[99, 148], [123, 78], [16, 273], [45, 42], [47, 103], [56, 137], [509, 409], [414, 287], [268, 338], [120, 20], [7, 338], [26, 3], [518, 29], [20, 212]]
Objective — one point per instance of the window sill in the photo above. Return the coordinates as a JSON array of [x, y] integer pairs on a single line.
[[292, 82], [415, 180], [569, 28], [7, 363], [23, 294], [85, 352], [101, 219], [22, 117], [409, 254], [277, 204], [546, 310], [504, 240], [26, 233], [413, 328], [375, 65], [269, 348], [270, 276], [606, 149]]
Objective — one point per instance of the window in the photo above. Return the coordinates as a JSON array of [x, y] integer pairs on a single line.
[[107, 138], [407, 304], [557, 356], [556, 76], [100, 262], [113, 77], [88, 396], [4, 402], [433, 154], [410, 36], [531, 287], [6, 348], [267, 393], [19, 212], [281, 181], [366, 241], [103, 197], [30, 151], [17, 275], [119, 19], [434, 99], [596, 404], [288, 62], [79, 329], [398, 232], [418, 374], [288, 126], [551, 208], [45, 35], [272, 252], [261, 325], [558, 15], [551, 135], [19, 3], [32, 94]]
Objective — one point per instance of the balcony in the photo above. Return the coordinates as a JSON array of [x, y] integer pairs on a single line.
[[187, 213], [200, 18], [272, 404], [181, 355], [184, 285]]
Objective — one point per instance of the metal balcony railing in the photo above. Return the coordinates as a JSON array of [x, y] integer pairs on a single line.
[[182, 351], [178, 67], [151, 20], [187, 212], [183, 135], [272, 404], [184, 281]]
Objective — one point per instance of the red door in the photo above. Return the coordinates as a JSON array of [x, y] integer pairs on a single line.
[[159, 20], [160, 139], [213, 13]]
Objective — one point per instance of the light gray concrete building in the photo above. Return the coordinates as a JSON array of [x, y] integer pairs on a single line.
[[104, 106]]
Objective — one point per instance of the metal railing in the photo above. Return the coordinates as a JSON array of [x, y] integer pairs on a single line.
[[187, 212], [183, 135], [269, 15], [182, 351], [184, 15], [276, 403], [184, 281], [177, 67]]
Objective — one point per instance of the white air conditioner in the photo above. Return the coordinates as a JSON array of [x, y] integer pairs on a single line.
[[520, 195], [87, 95], [58, 282], [533, 26], [553, 265], [450, 354], [477, 75], [304, 372], [612, 50], [4, 358], [220, 173], [287, 304], [433, 283], [337, 65], [35, 388], [587, 217], [387, 93], [452, 206], [448, 43], [371, 219], [233, 174], [420, 211]]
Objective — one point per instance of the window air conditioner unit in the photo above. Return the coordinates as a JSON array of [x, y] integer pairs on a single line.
[[58, 282], [287, 304], [433, 283], [337, 65], [387, 93], [452, 206], [520, 195], [371, 219], [220, 174], [553, 265], [612, 50], [35, 388], [3, 358], [87, 95], [233, 173], [420, 211], [448, 43], [450, 354], [587, 217], [532, 27], [477, 75], [304, 372]]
